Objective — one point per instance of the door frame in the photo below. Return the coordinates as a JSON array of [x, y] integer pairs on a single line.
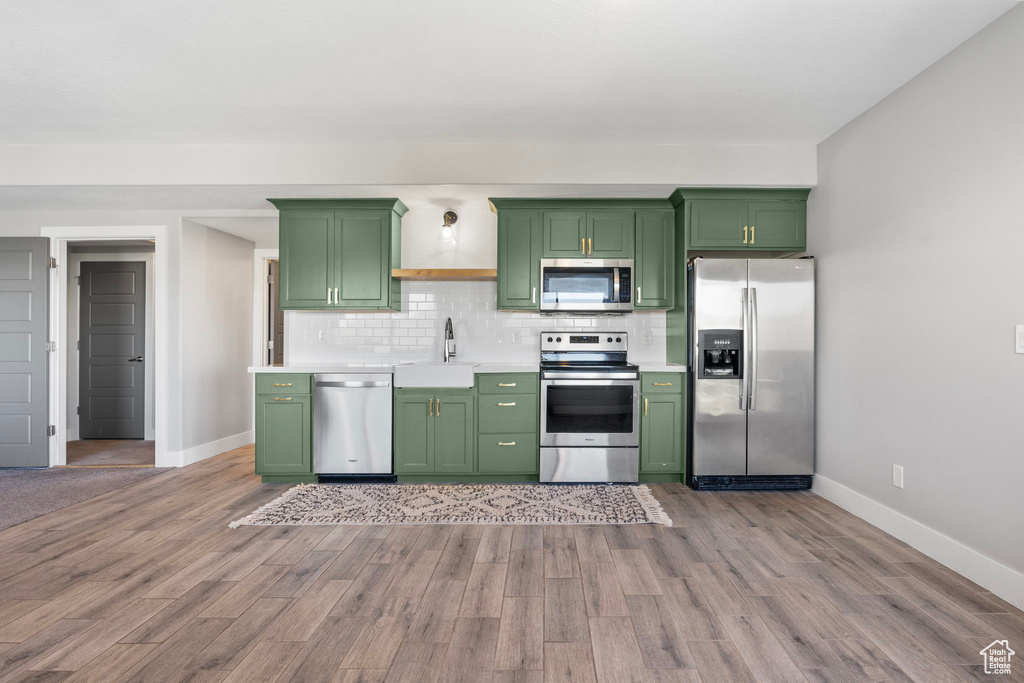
[[260, 305], [60, 237]]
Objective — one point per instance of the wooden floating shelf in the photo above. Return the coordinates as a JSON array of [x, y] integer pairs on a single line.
[[445, 273]]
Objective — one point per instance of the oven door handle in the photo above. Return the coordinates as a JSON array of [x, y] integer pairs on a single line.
[[590, 382]]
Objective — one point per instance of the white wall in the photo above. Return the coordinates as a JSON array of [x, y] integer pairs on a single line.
[[916, 224], [216, 340], [407, 164], [75, 261], [476, 244]]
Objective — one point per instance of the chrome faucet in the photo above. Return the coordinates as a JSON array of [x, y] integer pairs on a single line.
[[449, 341]]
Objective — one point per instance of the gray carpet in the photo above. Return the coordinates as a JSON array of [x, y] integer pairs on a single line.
[[27, 494]]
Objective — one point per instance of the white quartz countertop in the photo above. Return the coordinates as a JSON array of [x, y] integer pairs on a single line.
[[478, 368]]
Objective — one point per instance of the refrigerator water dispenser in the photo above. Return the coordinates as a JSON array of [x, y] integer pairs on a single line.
[[721, 352]]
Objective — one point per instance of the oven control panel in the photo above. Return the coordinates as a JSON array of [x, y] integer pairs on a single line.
[[574, 341]]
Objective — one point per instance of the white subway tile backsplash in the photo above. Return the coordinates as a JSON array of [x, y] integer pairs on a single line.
[[415, 333]]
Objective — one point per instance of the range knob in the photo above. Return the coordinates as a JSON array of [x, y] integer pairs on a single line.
[[618, 340], [549, 339], [558, 339], [609, 340]]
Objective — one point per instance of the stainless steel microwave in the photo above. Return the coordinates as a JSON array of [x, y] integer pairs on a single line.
[[584, 285]]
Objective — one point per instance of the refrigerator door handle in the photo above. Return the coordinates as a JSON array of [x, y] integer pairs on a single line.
[[753, 348], [746, 347]]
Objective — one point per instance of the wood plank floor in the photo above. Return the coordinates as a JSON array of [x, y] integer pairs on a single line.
[[148, 584], [111, 453]]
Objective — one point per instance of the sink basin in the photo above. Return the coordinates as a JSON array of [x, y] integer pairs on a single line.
[[435, 375]]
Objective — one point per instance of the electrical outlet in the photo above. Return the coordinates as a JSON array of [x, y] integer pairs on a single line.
[[501, 336], [517, 336], [322, 336], [897, 476], [648, 337]]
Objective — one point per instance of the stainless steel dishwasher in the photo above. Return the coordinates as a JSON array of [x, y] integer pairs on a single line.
[[352, 424]]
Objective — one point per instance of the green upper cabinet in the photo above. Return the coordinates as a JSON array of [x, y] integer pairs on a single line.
[[565, 234], [610, 233], [654, 276], [307, 238], [339, 253], [519, 236], [734, 219], [604, 233]]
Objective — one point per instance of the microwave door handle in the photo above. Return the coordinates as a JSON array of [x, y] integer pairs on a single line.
[[745, 367], [615, 286]]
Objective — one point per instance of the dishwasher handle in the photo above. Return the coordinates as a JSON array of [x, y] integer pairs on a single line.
[[354, 385]]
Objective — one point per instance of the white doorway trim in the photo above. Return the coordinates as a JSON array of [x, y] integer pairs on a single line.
[[59, 239], [260, 305]]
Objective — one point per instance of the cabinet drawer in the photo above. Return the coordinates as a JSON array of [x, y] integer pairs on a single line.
[[275, 383], [513, 413], [662, 382], [511, 383], [508, 454]]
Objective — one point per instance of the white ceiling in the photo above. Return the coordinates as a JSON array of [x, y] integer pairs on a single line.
[[364, 71]]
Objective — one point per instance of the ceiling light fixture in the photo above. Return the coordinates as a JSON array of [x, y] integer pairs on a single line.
[[447, 229]]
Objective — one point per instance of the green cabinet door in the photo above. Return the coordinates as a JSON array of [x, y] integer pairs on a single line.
[[778, 225], [363, 259], [453, 433], [661, 433], [654, 274], [565, 234], [284, 429], [414, 433], [307, 258], [610, 233], [519, 238], [718, 223]]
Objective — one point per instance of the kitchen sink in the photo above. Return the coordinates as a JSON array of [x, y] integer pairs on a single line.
[[435, 375]]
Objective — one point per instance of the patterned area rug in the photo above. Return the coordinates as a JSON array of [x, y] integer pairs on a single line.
[[330, 504]]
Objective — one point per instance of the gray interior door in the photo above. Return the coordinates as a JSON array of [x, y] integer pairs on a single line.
[[24, 286], [780, 422], [112, 378], [276, 355]]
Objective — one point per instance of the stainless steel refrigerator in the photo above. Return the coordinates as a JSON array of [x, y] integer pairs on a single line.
[[752, 346]]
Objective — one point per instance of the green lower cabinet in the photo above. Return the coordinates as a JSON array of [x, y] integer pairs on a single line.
[[284, 437], [434, 433], [508, 453], [414, 433], [662, 423], [453, 434]]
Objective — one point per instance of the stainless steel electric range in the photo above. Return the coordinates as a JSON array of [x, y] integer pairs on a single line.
[[589, 408]]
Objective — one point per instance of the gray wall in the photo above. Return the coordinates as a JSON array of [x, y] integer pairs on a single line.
[[216, 334], [918, 227]]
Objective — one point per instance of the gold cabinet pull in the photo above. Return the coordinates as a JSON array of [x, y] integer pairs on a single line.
[[503, 384], [287, 384], [752, 227], [438, 408], [590, 244], [645, 406], [506, 443], [583, 246], [506, 404], [431, 408], [662, 384], [282, 399], [329, 295], [744, 234]]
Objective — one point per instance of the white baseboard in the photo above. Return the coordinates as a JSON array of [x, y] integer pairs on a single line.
[[212, 448], [1006, 582]]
